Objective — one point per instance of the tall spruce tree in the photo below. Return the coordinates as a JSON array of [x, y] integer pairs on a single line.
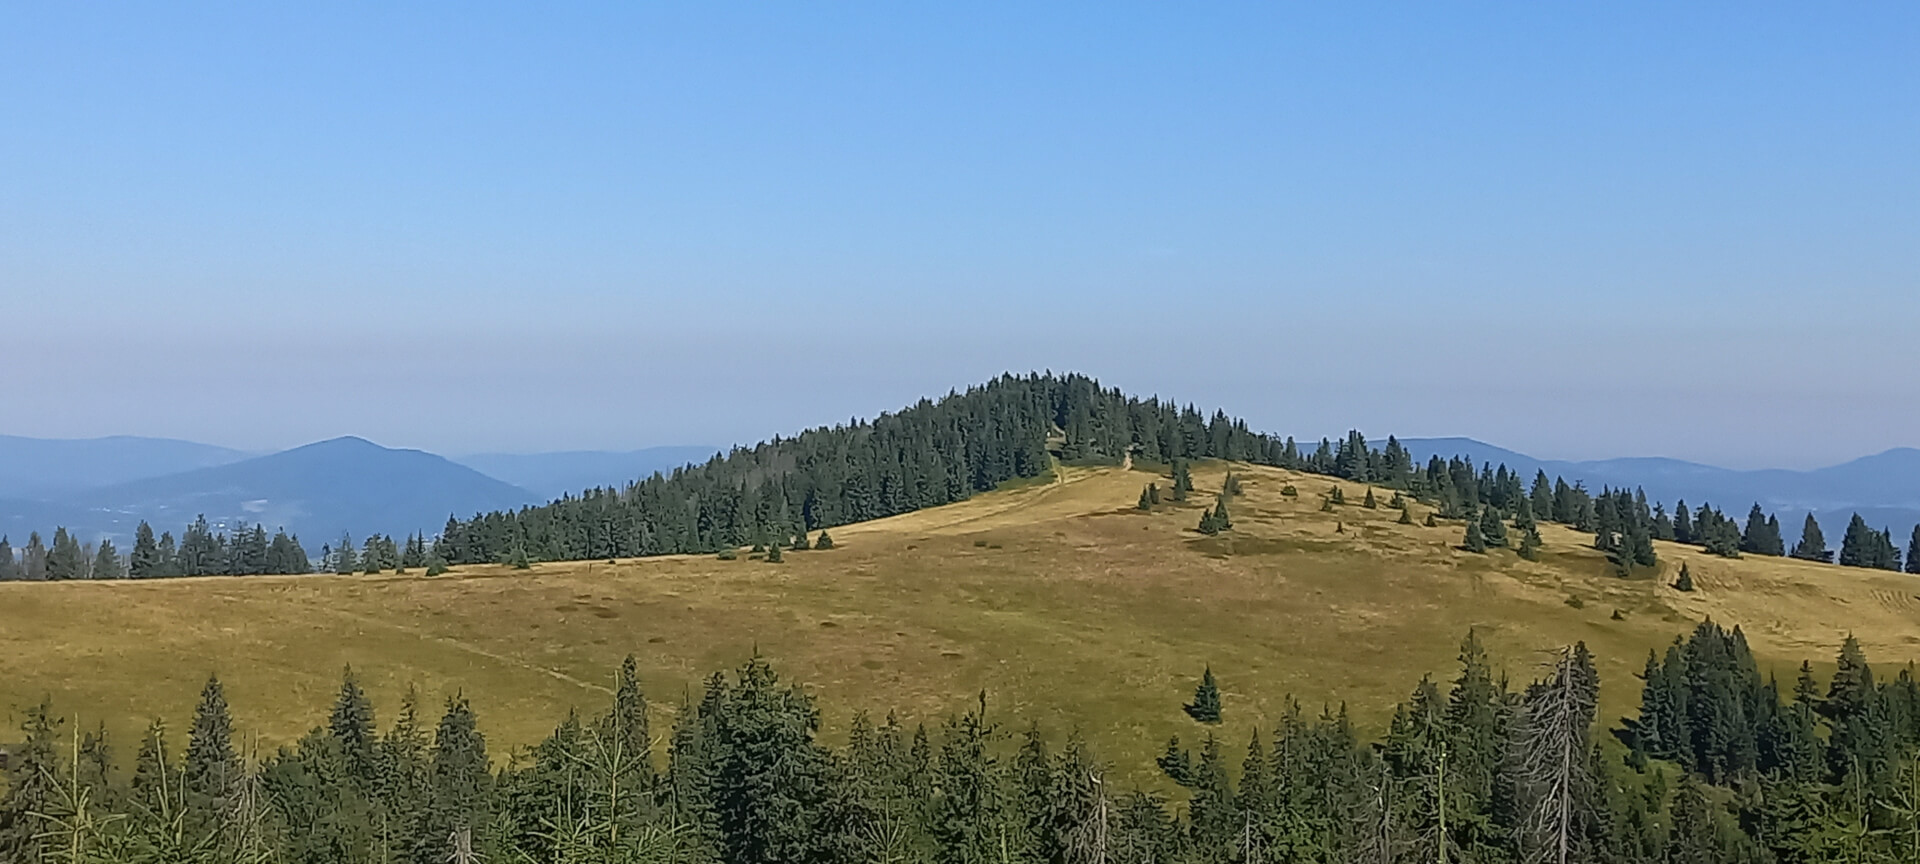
[[1861, 545], [212, 770], [1762, 534], [345, 561], [144, 562], [106, 562], [65, 560], [1813, 543], [33, 558], [461, 784], [354, 735]]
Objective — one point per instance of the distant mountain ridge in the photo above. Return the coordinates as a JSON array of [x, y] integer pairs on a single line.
[[319, 491], [1883, 488], [35, 467]]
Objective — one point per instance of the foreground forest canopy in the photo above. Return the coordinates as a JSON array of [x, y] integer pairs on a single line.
[[1719, 765], [940, 452]]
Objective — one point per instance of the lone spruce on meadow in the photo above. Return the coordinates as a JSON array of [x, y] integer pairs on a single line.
[[1205, 707]]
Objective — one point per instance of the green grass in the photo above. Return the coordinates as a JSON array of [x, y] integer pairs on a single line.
[[1059, 599]]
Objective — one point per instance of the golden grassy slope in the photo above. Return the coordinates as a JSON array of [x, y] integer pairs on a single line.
[[1060, 600]]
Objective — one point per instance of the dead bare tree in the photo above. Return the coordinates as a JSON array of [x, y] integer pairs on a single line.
[[1552, 771]]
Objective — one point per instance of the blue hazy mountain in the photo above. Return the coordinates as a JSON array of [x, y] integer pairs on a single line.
[[35, 467], [551, 475], [1883, 488], [318, 491]]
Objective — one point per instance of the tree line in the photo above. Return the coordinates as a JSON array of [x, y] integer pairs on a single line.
[[942, 451], [200, 551], [1719, 766]]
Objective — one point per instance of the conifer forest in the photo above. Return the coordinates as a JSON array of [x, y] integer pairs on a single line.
[[1720, 764]]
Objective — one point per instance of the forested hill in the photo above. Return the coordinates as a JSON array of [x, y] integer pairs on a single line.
[[933, 453], [940, 452]]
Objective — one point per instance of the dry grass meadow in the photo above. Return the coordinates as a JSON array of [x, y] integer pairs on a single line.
[[1060, 601]]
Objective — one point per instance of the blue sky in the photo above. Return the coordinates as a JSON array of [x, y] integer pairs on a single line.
[[1637, 229]]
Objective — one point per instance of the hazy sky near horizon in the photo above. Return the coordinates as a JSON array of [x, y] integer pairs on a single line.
[[1579, 231]]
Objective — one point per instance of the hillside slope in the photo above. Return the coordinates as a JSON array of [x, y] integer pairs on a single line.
[[1056, 597]]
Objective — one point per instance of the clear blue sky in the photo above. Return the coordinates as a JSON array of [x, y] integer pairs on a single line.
[[1575, 229]]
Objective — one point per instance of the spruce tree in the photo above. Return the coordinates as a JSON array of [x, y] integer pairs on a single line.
[[145, 561], [168, 555], [1205, 707], [1762, 534], [65, 560], [1430, 521], [1530, 544], [1662, 524], [1913, 551], [1719, 536], [33, 773], [1813, 543], [212, 768], [1474, 542], [460, 778], [1370, 503], [1176, 763], [33, 558], [351, 725], [1493, 532], [1860, 546], [1685, 581], [106, 562], [370, 556], [1182, 480], [628, 723], [1888, 557], [773, 554], [800, 543], [1406, 514], [1145, 503], [344, 559], [824, 541]]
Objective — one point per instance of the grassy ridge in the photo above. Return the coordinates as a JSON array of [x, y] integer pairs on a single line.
[[1060, 600]]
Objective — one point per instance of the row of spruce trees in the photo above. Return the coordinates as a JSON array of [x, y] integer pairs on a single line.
[[939, 452], [200, 551], [1720, 766]]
